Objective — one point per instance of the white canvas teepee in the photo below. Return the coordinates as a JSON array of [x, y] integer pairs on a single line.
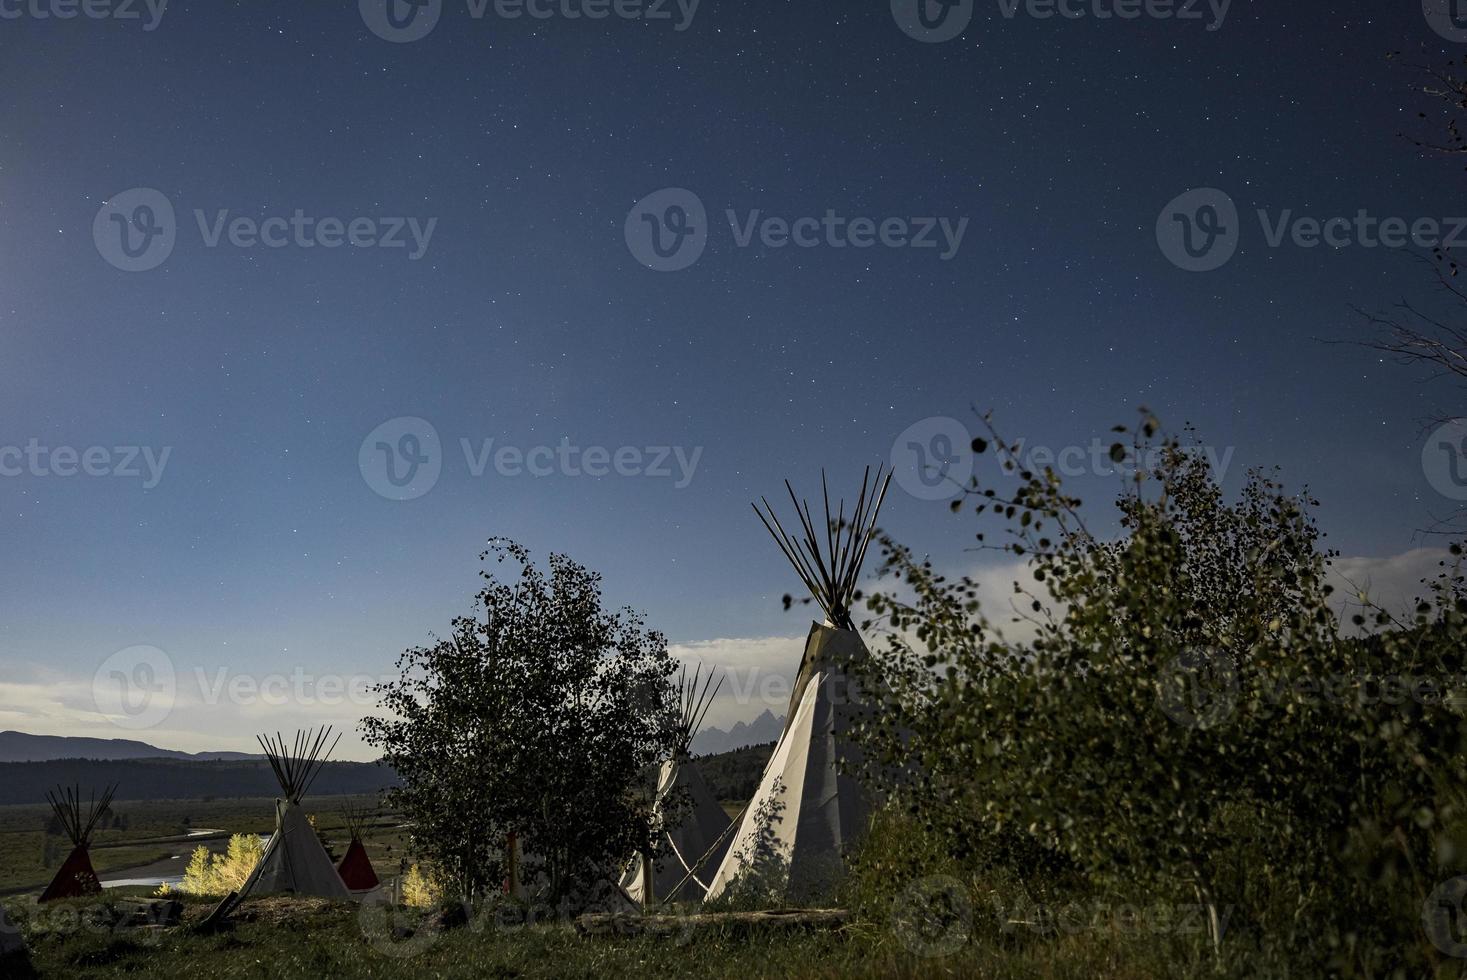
[[694, 833], [295, 862], [793, 838]]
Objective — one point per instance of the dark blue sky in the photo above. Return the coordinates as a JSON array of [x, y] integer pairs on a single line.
[[528, 320]]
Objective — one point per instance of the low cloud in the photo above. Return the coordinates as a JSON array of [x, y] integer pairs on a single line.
[[758, 672], [1393, 582]]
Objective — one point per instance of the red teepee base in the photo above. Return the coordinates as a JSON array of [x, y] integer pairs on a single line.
[[356, 868], [75, 879]]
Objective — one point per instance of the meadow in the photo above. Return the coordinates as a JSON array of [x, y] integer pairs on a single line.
[[140, 833]]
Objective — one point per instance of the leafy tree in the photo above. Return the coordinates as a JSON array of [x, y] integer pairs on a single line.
[[1188, 719], [220, 874], [537, 718]]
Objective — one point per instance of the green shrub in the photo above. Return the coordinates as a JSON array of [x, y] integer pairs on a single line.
[[1188, 724]]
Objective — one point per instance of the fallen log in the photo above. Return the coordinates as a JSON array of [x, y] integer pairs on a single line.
[[774, 920]]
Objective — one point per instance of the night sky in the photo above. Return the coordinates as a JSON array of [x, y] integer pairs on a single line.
[[265, 545]]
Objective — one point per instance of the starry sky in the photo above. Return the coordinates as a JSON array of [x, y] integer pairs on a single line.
[[264, 546]]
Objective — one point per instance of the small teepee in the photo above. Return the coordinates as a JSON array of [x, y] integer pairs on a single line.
[[694, 835], [356, 868], [76, 877], [793, 837], [295, 861]]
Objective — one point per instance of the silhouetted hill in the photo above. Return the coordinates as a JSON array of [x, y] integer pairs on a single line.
[[733, 776], [23, 747], [175, 779]]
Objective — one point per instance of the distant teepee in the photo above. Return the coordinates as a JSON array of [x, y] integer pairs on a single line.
[[76, 877], [694, 835], [356, 868], [794, 835], [295, 861]]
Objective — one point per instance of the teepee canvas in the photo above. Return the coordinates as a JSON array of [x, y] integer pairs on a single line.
[[693, 836], [295, 861], [76, 877], [794, 836], [356, 868]]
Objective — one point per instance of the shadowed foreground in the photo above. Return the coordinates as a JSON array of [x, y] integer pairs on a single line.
[[312, 938]]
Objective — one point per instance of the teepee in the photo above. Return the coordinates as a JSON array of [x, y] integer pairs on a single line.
[[295, 861], [356, 868], [76, 877], [793, 836], [694, 832]]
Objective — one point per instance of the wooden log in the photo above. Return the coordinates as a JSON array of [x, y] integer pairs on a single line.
[[776, 920]]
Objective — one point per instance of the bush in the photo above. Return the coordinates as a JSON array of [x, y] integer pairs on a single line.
[[1189, 723], [220, 874]]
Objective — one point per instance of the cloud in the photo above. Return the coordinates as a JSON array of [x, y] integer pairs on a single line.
[[758, 672], [1393, 582], [208, 714]]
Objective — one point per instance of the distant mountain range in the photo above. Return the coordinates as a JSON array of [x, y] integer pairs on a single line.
[[765, 728], [21, 747]]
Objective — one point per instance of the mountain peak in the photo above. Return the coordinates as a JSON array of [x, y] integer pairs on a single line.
[[765, 728]]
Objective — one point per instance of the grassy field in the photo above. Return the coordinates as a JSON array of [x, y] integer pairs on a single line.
[[140, 833], [309, 938], [281, 937]]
